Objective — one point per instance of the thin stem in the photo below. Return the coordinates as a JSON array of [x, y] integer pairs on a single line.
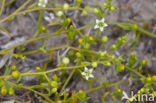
[[109, 86], [2, 7], [67, 81]]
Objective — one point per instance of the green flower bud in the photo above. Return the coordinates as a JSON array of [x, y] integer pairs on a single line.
[[65, 60], [55, 77], [112, 8], [71, 53], [149, 79], [87, 46], [15, 74], [78, 2], [11, 91], [104, 39], [66, 6], [13, 67], [4, 90], [108, 64], [54, 84], [59, 13], [94, 64], [154, 78], [105, 5], [80, 41], [78, 54], [96, 11], [131, 99], [54, 90], [113, 47]]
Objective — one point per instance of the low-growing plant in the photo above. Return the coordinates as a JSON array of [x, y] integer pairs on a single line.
[[80, 60]]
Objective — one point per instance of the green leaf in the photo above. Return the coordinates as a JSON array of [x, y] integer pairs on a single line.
[[6, 70], [5, 30]]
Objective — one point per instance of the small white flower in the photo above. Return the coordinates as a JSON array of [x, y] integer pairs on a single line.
[[66, 60], [42, 3], [88, 73], [100, 24], [59, 13]]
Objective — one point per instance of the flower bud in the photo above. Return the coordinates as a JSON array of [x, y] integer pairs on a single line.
[[15, 74], [38, 69], [59, 13], [91, 38], [148, 79], [96, 11], [66, 6], [104, 39], [11, 91], [112, 8], [94, 64], [105, 5], [113, 47], [78, 54], [54, 90], [13, 67], [122, 67], [154, 78], [87, 46], [80, 92], [78, 2], [65, 60], [68, 20], [54, 84], [4, 90], [80, 41]]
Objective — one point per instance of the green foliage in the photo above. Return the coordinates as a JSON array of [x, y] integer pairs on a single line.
[[81, 59]]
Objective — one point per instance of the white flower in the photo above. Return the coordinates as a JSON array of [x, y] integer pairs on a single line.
[[42, 3], [100, 24], [66, 60], [88, 73], [59, 13]]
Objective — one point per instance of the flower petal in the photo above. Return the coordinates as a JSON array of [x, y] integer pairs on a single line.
[[91, 70], [96, 26], [83, 73], [101, 28], [102, 20], [105, 25], [87, 77], [97, 21], [86, 69], [46, 18], [91, 76]]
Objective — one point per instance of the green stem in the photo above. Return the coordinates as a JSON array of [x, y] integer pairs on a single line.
[[102, 87], [2, 7], [67, 81]]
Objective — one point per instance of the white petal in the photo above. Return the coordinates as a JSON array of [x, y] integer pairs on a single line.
[[91, 70], [96, 26], [39, 4], [102, 20], [101, 28], [87, 77], [46, 1], [46, 18], [91, 76], [86, 69], [97, 21], [105, 25], [83, 73]]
